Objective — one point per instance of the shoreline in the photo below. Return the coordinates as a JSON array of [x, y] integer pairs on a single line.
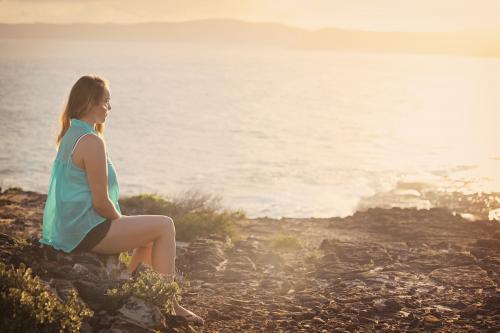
[[398, 269], [475, 206]]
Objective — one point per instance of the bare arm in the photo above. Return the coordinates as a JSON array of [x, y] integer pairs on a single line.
[[94, 160]]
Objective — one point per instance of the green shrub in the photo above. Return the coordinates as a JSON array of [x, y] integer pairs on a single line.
[[146, 203], [191, 225], [125, 258], [151, 286], [195, 214], [13, 189], [28, 305], [287, 242]]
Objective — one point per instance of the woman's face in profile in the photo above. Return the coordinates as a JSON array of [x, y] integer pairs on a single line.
[[102, 109]]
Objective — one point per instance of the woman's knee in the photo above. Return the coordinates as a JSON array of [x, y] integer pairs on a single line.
[[147, 245], [167, 224]]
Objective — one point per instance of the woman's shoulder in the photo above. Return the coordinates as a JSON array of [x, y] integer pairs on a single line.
[[91, 139], [91, 144]]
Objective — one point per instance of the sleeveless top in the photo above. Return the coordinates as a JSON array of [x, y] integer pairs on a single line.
[[69, 214]]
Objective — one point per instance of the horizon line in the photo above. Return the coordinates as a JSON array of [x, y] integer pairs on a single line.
[[287, 25]]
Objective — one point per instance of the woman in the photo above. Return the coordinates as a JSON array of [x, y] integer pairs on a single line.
[[82, 212]]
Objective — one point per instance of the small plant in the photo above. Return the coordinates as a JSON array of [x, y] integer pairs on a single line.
[[125, 258], [287, 242], [152, 287], [28, 305], [13, 189]]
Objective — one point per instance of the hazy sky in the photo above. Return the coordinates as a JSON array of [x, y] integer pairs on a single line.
[[404, 15]]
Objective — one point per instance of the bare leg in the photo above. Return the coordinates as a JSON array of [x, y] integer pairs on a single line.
[[164, 244], [141, 254], [146, 257], [131, 232], [137, 258], [148, 254]]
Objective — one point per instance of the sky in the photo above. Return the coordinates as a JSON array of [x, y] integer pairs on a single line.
[[378, 15]]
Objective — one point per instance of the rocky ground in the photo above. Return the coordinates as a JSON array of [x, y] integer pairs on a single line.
[[387, 270]]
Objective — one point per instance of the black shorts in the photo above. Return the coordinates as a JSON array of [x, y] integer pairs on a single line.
[[93, 237]]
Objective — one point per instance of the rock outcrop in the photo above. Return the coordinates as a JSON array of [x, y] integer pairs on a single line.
[[391, 270]]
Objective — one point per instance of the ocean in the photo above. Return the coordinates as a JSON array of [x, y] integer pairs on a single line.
[[275, 132]]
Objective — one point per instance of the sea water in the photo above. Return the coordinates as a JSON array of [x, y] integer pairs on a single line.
[[273, 131]]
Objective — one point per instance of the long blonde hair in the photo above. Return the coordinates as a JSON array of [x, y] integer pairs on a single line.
[[85, 93]]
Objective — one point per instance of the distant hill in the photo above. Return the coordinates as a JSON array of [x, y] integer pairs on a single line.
[[225, 31], [474, 43]]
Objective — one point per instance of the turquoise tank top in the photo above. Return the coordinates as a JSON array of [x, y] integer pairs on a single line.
[[69, 214]]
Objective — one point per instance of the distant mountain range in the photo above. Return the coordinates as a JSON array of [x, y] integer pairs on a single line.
[[472, 43]]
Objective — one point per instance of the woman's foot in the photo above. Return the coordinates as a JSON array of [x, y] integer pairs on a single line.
[[190, 316]]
